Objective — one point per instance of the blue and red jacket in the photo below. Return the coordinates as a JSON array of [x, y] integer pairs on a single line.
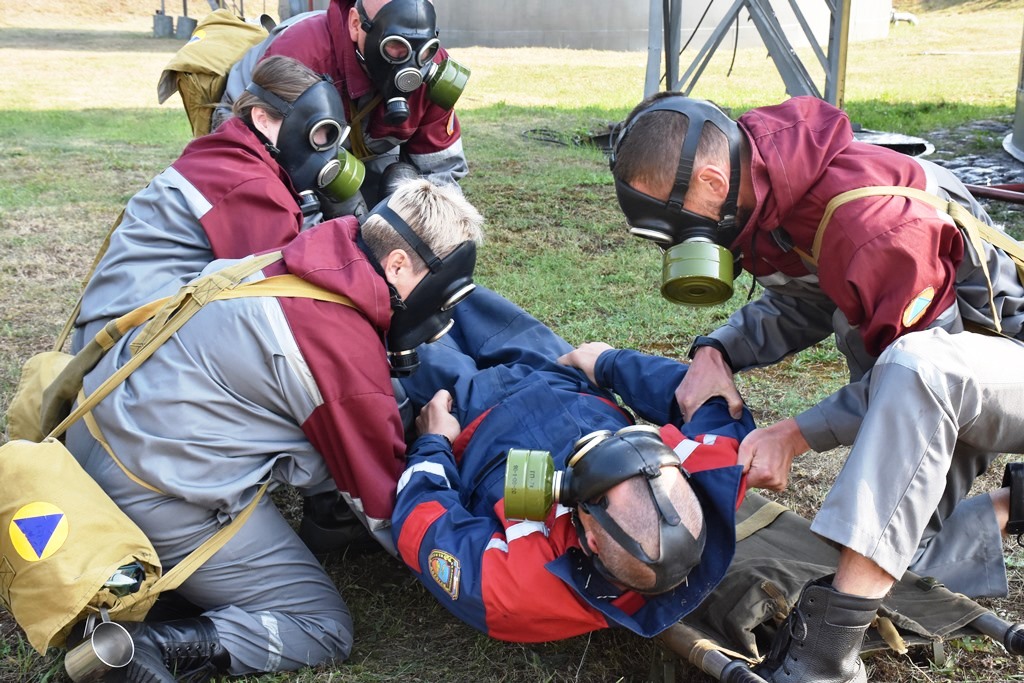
[[531, 581]]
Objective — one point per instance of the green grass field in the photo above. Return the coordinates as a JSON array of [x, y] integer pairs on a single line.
[[81, 131]]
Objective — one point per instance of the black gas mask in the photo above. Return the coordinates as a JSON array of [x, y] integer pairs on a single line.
[[599, 461], [401, 42], [426, 314], [309, 143], [698, 267]]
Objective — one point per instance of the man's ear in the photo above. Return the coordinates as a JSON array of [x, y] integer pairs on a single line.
[[587, 522], [353, 24], [394, 264], [715, 180]]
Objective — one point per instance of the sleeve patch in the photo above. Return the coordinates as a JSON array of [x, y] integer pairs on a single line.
[[446, 570], [918, 306]]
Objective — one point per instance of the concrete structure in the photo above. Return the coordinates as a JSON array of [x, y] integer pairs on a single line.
[[618, 25]]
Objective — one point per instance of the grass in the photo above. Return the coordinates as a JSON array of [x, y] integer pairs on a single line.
[[81, 131]]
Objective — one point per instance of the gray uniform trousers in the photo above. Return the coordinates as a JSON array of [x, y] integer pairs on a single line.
[[940, 409], [274, 607]]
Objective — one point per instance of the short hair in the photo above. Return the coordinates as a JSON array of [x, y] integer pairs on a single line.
[[439, 214], [640, 519], [649, 153], [283, 76]]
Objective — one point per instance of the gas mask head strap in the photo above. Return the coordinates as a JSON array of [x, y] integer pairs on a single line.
[[364, 18], [698, 113], [270, 98], [398, 224]]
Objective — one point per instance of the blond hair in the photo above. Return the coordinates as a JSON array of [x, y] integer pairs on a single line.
[[439, 214], [285, 77]]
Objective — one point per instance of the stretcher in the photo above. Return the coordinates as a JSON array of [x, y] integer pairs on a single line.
[[733, 628]]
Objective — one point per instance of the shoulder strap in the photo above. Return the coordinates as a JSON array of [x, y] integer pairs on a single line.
[[355, 137], [975, 230], [167, 316]]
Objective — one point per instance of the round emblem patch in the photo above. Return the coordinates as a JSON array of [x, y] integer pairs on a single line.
[[38, 530]]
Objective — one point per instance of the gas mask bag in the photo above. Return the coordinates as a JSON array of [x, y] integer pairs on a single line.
[[698, 267], [309, 143], [401, 43], [426, 314], [599, 461]]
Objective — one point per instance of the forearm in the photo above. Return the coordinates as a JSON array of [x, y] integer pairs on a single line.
[[777, 324], [646, 383]]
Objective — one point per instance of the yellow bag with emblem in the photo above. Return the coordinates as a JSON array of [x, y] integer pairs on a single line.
[[66, 549], [61, 544]]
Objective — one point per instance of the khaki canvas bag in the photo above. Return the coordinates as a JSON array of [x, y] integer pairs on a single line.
[[199, 70], [63, 540]]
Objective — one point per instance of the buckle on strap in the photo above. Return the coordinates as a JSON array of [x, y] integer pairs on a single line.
[[1013, 477]]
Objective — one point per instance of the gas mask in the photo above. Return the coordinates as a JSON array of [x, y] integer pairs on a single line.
[[426, 314], [401, 42], [309, 142], [698, 267], [599, 461]]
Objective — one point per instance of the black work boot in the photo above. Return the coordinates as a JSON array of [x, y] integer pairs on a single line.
[[1013, 479], [821, 638], [328, 525], [171, 651]]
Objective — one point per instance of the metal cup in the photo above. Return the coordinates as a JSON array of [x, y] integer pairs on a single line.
[[108, 646]]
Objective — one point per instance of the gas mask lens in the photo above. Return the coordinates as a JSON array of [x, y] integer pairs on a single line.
[[395, 49], [427, 52], [443, 331], [326, 134], [456, 298]]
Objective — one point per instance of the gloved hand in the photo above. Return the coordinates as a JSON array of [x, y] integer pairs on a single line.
[[353, 206], [394, 175]]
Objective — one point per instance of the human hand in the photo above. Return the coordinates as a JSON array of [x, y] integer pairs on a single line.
[[436, 417], [767, 454], [584, 357], [708, 376]]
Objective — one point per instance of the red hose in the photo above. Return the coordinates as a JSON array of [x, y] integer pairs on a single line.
[[1008, 193]]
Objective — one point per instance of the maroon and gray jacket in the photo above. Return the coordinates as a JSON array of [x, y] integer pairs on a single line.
[[887, 265], [293, 390], [430, 139], [225, 197]]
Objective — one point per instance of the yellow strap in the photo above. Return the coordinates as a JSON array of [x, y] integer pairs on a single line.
[[97, 433], [355, 137], [975, 230], [762, 517], [286, 286], [181, 571]]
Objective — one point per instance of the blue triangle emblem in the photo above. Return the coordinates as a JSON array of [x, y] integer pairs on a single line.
[[39, 530]]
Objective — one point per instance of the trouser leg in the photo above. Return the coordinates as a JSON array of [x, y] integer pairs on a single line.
[[940, 407]]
